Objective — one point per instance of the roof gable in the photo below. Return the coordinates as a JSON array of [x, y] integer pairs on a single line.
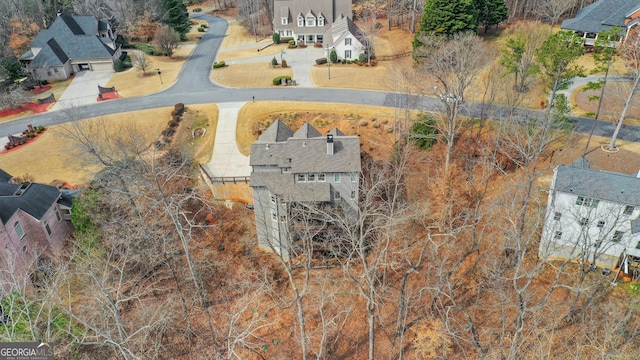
[[306, 131], [277, 132], [598, 184], [601, 15], [34, 199]]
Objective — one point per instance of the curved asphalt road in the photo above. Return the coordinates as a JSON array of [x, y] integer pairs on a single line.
[[194, 87]]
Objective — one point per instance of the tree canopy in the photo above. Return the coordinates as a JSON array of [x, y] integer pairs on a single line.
[[176, 17], [491, 13], [447, 17]]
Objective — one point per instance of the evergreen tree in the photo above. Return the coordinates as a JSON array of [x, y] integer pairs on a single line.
[[10, 69], [447, 17], [491, 12], [177, 17]]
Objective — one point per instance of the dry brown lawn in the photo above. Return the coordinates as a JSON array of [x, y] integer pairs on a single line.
[[374, 121], [132, 83], [251, 52], [248, 75], [237, 36], [62, 161]]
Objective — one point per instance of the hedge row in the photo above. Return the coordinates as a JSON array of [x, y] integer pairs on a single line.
[[278, 80]]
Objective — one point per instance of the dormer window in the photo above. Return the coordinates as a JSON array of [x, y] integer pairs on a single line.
[[311, 21], [300, 21], [320, 20], [284, 21]]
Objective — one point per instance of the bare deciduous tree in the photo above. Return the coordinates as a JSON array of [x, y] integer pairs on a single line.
[[454, 63]]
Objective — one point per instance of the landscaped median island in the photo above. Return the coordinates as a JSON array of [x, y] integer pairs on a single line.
[[64, 161]]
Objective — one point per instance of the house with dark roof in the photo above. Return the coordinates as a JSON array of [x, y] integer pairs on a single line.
[[593, 216], [72, 43], [603, 15], [303, 168], [34, 223], [312, 21]]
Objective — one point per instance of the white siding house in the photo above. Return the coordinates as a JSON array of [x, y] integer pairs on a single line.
[[593, 216]]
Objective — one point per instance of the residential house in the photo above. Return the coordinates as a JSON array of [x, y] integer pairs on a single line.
[[35, 221], [593, 217], [304, 168], [326, 22], [72, 43], [346, 39], [603, 15]]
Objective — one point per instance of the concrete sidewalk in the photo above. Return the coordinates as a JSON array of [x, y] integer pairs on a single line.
[[227, 159], [83, 90]]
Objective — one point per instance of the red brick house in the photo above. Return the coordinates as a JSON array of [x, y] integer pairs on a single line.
[[34, 223]]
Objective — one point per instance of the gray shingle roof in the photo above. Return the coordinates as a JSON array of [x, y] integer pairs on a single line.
[[276, 132], [306, 131], [329, 9], [598, 184], [601, 15], [70, 37], [35, 200], [305, 154], [5, 176], [340, 28]]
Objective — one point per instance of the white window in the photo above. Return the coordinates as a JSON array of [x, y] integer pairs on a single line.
[[354, 177], [347, 54], [628, 210], [321, 177], [273, 199], [311, 177], [311, 21], [283, 218], [19, 230], [274, 217], [285, 21], [557, 216], [617, 236], [321, 21], [600, 224], [301, 177], [336, 196], [557, 235], [347, 41], [55, 209], [353, 195], [286, 170], [300, 21], [289, 33], [584, 221], [337, 177], [47, 227], [585, 201]]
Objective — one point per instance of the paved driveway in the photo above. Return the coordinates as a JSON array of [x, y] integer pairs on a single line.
[[83, 90]]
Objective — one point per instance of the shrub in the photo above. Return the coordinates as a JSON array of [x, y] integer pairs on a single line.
[[362, 57], [321, 61], [173, 123], [274, 61], [284, 63], [31, 135], [218, 64], [40, 129], [147, 49], [204, 26], [292, 42], [278, 80], [363, 123], [127, 62], [200, 29], [176, 118], [423, 132], [276, 38], [118, 65], [333, 56], [197, 9], [179, 107]]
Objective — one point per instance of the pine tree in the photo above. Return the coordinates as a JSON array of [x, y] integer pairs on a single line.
[[177, 17], [447, 17], [491, 12]]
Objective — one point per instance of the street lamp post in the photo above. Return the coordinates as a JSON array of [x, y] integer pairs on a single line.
[[159, 75], [329, 68]]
